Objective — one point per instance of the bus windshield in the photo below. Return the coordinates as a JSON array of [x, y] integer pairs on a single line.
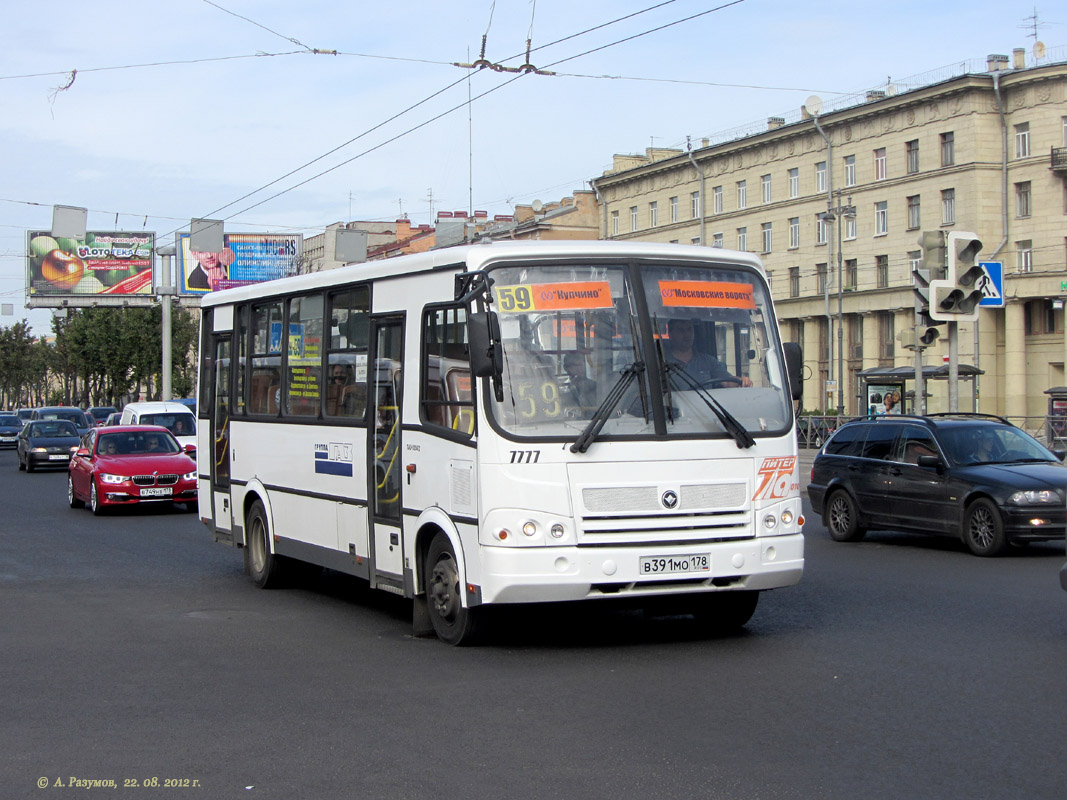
[[576, 350]]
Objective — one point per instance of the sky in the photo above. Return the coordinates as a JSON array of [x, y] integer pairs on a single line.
[[182, 109]]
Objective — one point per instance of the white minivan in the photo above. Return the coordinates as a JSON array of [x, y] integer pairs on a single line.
[[175, 417]]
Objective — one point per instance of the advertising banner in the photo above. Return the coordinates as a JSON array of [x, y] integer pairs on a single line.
[[246, 258], [106, 263], [885, 398]]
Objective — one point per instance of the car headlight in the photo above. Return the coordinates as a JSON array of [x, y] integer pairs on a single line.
[[189, 476], [1034, 496], [106, 478], [39, 450]]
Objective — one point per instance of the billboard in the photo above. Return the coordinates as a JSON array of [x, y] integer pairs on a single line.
[[246, 258], [113, 266]]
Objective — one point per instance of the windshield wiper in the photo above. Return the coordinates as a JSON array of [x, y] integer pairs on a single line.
[[728, 421], [600, 416]]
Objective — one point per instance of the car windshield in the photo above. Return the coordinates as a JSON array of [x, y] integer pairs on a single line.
[[9, 420], [77, 417], [53, 429], [577, 355], [178, 423], [968, 445], [101, 413], [137, 443]]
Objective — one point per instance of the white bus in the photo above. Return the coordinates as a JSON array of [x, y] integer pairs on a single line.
[[509, 423]]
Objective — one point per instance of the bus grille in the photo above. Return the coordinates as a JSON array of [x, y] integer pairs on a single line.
[[634, 515]]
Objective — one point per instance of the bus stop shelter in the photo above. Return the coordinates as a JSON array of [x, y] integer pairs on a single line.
[[890, 390]]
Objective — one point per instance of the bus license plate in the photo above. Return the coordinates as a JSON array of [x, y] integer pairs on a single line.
[[663, 565], [157, 492]]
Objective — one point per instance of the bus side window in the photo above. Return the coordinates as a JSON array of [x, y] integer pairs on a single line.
[[445, 394]]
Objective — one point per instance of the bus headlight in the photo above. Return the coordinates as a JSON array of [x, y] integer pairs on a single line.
[[787, 517], [556, 531], [770, 522], [529, 528]]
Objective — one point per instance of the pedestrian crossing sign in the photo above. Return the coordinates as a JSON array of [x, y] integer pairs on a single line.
[[991, 284]]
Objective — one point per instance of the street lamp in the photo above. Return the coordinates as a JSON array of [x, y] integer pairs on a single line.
[[835, 214]]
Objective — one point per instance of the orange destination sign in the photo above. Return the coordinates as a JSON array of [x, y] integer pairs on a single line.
[[706, 294], [578, 295]]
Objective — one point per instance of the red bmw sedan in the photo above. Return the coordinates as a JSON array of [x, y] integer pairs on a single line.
[[128, 465]]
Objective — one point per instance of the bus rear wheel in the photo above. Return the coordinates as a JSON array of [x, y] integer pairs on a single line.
[[452, 622], [263, 565]]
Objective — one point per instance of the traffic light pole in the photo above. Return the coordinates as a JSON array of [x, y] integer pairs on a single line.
[[953, 367]]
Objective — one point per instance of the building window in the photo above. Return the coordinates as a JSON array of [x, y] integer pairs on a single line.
[[948, 149], [881, 267], [768, 236], [820, 177], [653, 214], [1040, 317], [886, 333], [915, 259], [851, 272], [614, 223], [695, 240], [879, 164], [716, 240], [694, 205], [765, 187], [948, 207], [742, 239], [850, 226], [881, 218], [850, 170], [673, 202], [794, 232], [742, 194], [1023, 199], [794, 182], [820, 278], [794, 281], [914, 217], [1024, 255], [1022, 140], [633, 218], [912, 151], [716, 200], [820, 229]]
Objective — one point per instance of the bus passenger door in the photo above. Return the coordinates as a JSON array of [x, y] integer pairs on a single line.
[[385, 462], [221, 510]]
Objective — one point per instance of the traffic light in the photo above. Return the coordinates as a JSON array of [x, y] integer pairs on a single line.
[[934, 251], [955, 299], [925, 331]]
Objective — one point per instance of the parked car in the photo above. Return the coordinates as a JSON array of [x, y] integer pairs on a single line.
[[99, 414], [969, 475], [130, 465], [813, 431], [46, 443], [76, 415], [173, 416], [10, 428]]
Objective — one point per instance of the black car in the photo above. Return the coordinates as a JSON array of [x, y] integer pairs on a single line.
[[98, 414], [10, 427], [47, 443], [76, 416], [969, 475]]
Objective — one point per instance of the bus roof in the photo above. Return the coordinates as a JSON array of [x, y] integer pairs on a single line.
[[468, 258]]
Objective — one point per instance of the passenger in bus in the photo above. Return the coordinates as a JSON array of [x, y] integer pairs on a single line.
[[678, 349], [581, 389]]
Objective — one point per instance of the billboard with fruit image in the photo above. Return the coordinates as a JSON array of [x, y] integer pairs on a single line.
[[113, 264]]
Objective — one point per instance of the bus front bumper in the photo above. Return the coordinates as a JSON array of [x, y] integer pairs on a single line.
[[552, 574]]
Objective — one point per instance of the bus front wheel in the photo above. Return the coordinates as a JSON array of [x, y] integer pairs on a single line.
[[263, 565], [725, 612], [452, 622]]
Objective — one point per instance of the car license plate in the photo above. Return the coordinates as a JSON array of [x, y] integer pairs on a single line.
[[59, 458], [663, 565], [158, 491]]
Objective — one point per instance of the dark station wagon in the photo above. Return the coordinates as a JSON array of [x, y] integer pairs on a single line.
[[974, 476]]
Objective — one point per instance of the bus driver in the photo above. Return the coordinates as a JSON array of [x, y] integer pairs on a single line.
[[679, 350]]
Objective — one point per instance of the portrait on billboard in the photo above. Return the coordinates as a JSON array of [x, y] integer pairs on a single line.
[[246, 258]]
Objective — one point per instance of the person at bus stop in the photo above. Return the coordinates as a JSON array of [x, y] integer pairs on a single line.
[[679, 349], [582, 389]]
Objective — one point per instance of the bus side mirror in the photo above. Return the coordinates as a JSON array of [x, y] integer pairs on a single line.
[[487, 359], [794, 368]]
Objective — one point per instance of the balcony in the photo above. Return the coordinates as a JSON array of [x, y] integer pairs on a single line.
[[1059, 160]]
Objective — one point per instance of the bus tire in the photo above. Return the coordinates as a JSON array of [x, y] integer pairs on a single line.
[[726, 612], [260, 563], [452, 623]]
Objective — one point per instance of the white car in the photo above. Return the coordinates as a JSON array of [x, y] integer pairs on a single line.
[[175, 417]]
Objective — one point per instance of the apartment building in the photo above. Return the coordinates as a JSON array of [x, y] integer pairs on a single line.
[[981, 148]]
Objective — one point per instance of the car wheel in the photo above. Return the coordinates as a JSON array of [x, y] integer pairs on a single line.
[[74, 501], [725, 612], [22, 464], [94, 500], [452, 623], [842, 518], [983, 529], [29, 464], [264, 566]]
